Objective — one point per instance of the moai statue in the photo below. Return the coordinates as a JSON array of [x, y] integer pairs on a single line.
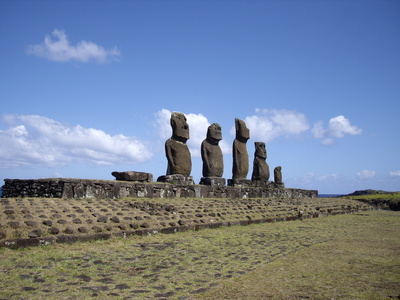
[[213, 163], [278, 175], [260, 166], [176, 150], [211, 154], [240, 155]]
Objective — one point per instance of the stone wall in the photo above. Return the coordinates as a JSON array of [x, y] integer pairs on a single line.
[[109, 189]]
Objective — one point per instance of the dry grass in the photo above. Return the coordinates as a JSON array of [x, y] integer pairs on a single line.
[[342, 257], [361, 261]]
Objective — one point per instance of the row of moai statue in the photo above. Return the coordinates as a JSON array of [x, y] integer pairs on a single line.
[[180, 163]]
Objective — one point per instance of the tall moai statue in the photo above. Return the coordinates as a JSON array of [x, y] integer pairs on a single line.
[[211, 154], [240, 156], [177, 152], [260, 166]]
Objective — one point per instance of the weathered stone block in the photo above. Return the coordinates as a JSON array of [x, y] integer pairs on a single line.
[[176, 179], [239, 182], [213, 181], [133, 176]]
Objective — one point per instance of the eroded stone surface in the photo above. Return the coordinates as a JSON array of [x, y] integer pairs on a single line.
[[133, 176], [240, 156], [211, 154], [278, 175], [260, 166], [176, 150]]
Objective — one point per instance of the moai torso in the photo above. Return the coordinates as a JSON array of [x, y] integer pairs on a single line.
[[240, 155], [260, 166], [211, 154], [176, 150]]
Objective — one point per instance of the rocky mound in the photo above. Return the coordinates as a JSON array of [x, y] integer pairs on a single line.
[[36, 221]]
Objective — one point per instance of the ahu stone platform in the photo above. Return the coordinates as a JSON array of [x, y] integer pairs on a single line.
[[115, 189]]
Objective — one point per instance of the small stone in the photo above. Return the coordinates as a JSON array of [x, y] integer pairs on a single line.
[[68, 230], [122, 286], [30, 223], [82, 230], [97, 229], [54, 230], [47, 222], [35, 233], [13, 224], [102, 219], [115, 219], [85, 278], [134, 226]]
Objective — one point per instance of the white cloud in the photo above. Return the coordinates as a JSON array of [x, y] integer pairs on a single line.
[[338, 127], [308, 177], [162, 123], [59, 49], [268, 124], [366, 174], [198, 125], [394, 174], [40, 141], [329, 177]]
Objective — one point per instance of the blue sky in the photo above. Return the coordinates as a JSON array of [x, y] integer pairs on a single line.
[[87, 87]]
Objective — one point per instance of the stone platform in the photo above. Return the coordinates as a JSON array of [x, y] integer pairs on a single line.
[[115, 189]]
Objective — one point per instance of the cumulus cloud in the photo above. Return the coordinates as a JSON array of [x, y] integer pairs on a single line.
[[366, 174], [198, 125], [329, 177], [41, 141], [56, 47], [394, 174], [338, 127], [268, 124]]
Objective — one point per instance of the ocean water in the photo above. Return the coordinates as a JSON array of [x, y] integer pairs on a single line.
[[329, 195]]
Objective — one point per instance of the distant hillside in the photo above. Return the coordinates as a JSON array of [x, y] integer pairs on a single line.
[[388, 200], [369, 192]]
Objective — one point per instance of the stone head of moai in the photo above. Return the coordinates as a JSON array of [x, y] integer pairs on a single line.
[[180, 127], [260, 151], [242, 132], [214, 133]]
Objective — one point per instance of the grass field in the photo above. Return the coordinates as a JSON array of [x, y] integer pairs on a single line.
[[354, 256], [383, 199]]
